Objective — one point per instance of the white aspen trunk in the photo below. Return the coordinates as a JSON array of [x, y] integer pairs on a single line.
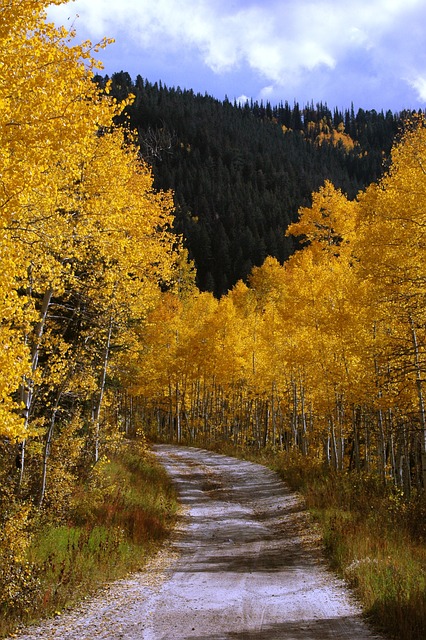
[[334, 454], [192, 411], [97, 411], [49, 435], [392, 448], [382, 446], [294, 421], [47, 447], [159, 430], [178, 417], [304, 443], [420, 396], [273, 418], [355, 446], [367, 445], [27, 387], [406, 465], [266, 429], [242, 422], [341, 438], [327, 450], [171, 423], [198, 410]]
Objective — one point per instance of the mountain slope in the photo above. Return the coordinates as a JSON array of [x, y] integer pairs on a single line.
[[241, 172]]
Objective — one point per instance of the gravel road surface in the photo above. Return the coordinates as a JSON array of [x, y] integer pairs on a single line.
[[243, 564]]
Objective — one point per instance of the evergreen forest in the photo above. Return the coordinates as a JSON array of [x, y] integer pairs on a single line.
[[239, 173]]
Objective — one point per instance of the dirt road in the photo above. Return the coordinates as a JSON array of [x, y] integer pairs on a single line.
[[242, 565]]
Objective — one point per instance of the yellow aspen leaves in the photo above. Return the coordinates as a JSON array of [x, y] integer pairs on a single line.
[[85, 240], [329, 223], [325, 354]]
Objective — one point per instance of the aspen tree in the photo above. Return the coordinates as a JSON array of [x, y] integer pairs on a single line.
[[391, 251], [324, 269], [80, 222], [266, 289], [39, 122]]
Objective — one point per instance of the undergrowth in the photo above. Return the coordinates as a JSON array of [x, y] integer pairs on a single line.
[[113, 524]]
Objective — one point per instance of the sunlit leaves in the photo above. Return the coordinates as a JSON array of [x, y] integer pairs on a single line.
[[326, 353], [85, 240]]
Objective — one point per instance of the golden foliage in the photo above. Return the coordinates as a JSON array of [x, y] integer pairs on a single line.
[[327, 353], [78, 209]]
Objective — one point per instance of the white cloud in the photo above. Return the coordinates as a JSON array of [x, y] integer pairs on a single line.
[[285, 42], [419, 84], [242, 99], [267, 92]]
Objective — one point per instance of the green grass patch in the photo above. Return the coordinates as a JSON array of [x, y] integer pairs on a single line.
[[113, 525]]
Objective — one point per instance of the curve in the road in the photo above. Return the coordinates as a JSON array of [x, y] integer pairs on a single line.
[[239, 567]]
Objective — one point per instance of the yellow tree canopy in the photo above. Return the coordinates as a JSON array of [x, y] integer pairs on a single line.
[[78, 212]]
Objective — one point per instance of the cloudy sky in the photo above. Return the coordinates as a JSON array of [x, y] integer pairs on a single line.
[[369, 52]]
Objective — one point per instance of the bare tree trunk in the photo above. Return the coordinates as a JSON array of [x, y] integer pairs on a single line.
[[420, 396], [27, 387], [47, 447], [97, 411]]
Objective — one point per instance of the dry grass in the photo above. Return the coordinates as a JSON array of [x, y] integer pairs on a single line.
[[374, 537], [113, 526]]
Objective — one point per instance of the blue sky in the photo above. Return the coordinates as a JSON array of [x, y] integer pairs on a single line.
[[369, 52]]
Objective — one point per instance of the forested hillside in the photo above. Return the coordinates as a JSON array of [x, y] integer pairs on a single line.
[[240, 172]]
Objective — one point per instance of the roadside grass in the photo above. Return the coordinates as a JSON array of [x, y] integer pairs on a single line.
[[114, 524], [373, 537]]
